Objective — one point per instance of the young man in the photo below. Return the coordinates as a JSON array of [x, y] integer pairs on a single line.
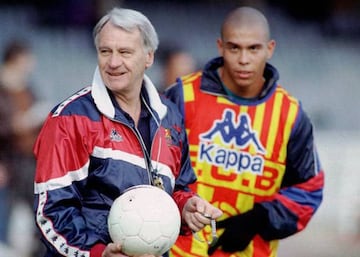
[[108, 137], [251, 145]]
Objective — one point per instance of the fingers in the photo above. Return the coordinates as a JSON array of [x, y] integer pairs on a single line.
[[201, 219], [111, 250], [215, 213], [198, 213], [114, 250], [205, 208], [196, 221]]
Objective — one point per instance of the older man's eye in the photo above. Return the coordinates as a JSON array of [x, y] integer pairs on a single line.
[[104, 51], [126, 52]]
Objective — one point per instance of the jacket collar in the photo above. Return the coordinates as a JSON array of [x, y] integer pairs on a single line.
[[103, 100], [211, 81]]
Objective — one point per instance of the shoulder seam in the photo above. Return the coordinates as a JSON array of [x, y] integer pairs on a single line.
[[63, 104]]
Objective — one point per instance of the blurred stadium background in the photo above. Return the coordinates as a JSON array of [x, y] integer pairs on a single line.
[[317, 54]]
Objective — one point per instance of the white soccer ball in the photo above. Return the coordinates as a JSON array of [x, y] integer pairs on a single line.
[[145, 220]]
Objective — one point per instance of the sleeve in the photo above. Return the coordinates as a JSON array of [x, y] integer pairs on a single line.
[[187, 175], [302, 187], [62, 168]]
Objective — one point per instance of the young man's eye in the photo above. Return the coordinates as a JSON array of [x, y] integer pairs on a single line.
[[255, 48], [233, 48]]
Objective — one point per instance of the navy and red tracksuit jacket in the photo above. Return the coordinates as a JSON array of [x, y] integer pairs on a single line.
[[88, 153]]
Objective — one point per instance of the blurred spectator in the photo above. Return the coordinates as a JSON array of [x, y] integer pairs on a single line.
[[5, 138], [176, 62], [344, 19], [21, 115], [15, 71]]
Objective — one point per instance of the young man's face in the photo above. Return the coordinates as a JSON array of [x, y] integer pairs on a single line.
[[245, 51], [122, 58]]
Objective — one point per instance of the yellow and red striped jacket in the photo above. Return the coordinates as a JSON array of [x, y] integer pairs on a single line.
[[247, 153]]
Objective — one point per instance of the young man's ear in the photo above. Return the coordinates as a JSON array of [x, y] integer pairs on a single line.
[[271, 48], [219, 44]]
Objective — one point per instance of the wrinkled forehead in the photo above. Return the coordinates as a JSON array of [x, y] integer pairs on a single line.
[[111, 32]]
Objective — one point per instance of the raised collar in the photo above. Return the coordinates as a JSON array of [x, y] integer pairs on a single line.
[[103, 100]]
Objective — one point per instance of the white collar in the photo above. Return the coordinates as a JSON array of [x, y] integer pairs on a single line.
[[104, 104]]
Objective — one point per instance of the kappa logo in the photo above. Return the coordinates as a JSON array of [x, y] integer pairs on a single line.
[[115, 136], [239, 133], [236, 135]]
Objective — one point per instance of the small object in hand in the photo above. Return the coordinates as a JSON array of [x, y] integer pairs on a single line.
[[213, 233], [207, 215], [214, 236]]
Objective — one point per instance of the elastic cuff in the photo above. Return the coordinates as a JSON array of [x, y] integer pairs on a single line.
[[181, 197], [97, 250], [185, 230]]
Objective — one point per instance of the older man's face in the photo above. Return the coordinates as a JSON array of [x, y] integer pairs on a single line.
[[122, 58]]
